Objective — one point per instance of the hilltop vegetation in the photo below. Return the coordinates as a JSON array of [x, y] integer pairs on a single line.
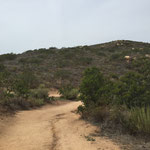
[[58, 67]]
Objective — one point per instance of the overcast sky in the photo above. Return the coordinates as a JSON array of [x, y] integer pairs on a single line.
[[31, 24]]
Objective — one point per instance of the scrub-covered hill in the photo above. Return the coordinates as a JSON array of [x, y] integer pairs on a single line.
[[56, 67]]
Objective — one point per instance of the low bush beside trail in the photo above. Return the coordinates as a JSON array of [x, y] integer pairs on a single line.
[[123, 101], [21, 91], [68, 92]]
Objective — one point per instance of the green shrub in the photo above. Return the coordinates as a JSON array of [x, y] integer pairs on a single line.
[[140, 119], [118, 102], [21, 89], [36, 102], [68, 92], [84, 112], [40, 93], [14, 103], [24, 83], [106, 95], [113, 76], [73, 94], [132, 90], [81, 109], [90, 86]]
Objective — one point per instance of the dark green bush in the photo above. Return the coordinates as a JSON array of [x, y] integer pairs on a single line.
[[132, 90], [106, 95], [123, 101], [90, 87], [84, 112], [81, 109]]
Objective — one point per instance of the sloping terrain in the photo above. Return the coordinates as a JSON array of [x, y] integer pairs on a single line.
[[52, 128], [59, 127], [56, 67]]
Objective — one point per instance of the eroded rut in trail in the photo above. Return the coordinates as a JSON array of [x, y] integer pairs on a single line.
[[52, 128], [54, 133]]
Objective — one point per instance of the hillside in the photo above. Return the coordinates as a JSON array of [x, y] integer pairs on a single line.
[[56, 67], [114, 95]]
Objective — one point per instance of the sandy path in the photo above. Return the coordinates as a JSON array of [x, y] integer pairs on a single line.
[[54, 93], [52, 128]]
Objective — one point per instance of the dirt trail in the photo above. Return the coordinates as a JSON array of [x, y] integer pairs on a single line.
[[52, 128]]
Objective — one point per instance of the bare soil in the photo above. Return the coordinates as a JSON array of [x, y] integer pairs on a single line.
[[52, 128], [54, 93], [56, 127]]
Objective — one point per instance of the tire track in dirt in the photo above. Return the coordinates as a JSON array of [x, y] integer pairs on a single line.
[[54, 136], [54, 132]]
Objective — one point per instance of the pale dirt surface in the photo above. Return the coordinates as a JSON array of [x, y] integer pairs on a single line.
[[54, 93], [53, 128]]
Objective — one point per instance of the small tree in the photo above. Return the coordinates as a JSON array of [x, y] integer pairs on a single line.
[[90, 86]]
